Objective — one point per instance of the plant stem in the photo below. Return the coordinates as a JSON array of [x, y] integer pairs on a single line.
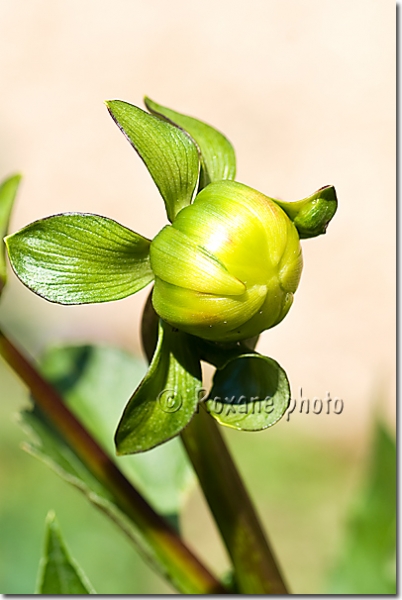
[[185, 570], [256, 570]]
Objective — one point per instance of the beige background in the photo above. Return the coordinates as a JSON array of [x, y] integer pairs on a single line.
[[305, 91]]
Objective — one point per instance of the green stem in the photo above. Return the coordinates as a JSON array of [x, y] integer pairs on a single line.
[[184, 569], [256, 570]]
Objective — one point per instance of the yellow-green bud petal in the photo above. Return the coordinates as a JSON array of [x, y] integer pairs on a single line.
[[175, 255], [227, 268]]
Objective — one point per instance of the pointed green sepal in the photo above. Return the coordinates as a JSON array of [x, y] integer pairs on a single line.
[[59, 573], [169, 153], [250, 392], [8, 192], [312, 215], [218, 160], [80, 258], [167, 397]]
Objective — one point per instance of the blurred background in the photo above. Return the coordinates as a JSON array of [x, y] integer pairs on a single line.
[[305, 91]]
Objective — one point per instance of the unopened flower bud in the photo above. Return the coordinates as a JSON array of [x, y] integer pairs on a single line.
[[312, 215], [228, 266]]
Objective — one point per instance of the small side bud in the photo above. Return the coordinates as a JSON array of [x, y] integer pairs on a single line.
[[312, 215]]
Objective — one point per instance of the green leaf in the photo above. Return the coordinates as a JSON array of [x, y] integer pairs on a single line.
[[218, 159], [59, 574], [8, 191], [169, 154], [312, 215], [166, 399], [88, 377], [367, 562], [80, 258], [250, 392]]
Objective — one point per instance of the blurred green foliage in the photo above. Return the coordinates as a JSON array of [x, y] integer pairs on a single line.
[[330, 515], [303, 486], [367, 564]]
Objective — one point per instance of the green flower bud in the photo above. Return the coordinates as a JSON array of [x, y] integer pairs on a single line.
[[228, 266]]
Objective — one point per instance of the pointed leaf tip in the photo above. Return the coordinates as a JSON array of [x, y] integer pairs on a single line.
[[169, 153], [58, 572], [218, 160]]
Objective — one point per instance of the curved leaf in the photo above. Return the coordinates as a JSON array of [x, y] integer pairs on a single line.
[[251, 392], [59, 574], [80, 258], [167, 397], [8, 191], [218, 158], [169, 154]]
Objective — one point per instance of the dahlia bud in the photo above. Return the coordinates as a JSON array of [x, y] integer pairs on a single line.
[[228, 266]]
